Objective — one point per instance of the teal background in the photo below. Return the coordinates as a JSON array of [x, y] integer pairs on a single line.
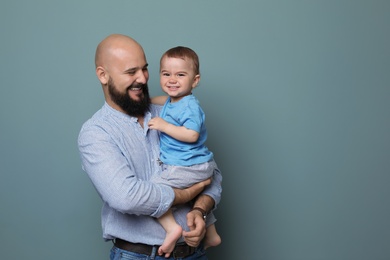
[[296, 95]]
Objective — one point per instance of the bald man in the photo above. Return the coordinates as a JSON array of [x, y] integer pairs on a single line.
[[120, 154]]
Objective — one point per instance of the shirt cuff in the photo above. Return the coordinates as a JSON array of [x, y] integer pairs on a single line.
[[167, 197]]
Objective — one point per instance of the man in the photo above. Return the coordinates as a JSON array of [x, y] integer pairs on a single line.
[[120, 154]]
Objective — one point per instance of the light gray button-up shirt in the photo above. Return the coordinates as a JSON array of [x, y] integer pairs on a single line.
[[119, 157]]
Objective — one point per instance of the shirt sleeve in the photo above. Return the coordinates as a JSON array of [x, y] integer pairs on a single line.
[[115, 180], [214, 190], [192, 117]]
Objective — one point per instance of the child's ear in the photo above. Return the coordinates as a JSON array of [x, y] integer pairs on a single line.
[[102, 75], [196, 81]]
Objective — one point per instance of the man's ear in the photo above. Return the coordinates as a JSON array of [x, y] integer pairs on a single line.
[[102, 75], [196, 81]]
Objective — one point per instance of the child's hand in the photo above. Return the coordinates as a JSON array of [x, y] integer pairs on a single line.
[[158, 123]]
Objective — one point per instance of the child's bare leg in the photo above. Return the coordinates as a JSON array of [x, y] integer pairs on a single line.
[[173, 230], [212, 238]]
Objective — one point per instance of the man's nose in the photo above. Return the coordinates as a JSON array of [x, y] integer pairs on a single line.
[[142, 77]]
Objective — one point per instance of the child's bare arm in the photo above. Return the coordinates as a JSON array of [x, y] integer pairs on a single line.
[[159, 100], [180, 133]]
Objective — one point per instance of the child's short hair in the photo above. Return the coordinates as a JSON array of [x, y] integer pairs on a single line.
[[183, 53]]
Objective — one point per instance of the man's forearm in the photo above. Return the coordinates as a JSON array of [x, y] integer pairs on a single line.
[[185, 195], [204, 202]]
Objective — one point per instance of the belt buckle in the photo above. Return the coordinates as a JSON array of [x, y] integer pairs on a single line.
[[175, 254], [182, 251]]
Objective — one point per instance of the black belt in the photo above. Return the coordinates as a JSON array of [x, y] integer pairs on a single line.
[[181, 250]]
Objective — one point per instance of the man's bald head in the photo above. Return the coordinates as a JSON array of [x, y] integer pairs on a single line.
[[121, 68], [112, 46]]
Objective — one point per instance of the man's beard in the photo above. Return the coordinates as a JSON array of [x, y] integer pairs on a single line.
[[126, 103]]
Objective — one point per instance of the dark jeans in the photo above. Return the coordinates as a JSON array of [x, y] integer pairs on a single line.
[[119, 254]]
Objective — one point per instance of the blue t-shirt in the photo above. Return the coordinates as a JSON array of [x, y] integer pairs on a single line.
[[188, 113]]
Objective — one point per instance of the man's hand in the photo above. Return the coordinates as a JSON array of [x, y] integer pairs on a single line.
[[197, 227], [185, 195], [195, 221]]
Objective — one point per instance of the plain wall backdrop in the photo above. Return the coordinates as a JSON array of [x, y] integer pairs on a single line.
[[297, 99]]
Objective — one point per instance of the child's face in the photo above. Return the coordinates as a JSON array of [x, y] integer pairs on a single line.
[[177, 77]]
